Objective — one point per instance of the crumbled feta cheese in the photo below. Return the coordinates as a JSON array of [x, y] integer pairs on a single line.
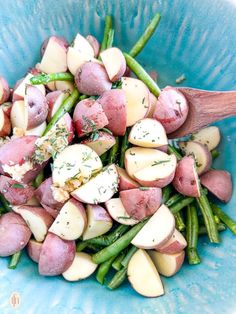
[[18, 132], [60, 194], [17, 171]]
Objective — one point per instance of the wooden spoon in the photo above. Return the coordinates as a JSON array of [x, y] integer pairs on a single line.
[[205, 107]]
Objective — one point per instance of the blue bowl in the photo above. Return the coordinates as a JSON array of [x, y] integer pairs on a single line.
[[196, 38]]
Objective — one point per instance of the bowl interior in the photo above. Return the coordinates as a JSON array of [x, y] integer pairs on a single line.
[[195, 39]]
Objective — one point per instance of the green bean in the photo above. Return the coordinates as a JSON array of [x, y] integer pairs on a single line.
[[39, 179], [150, 29], [128, 256], [119, 245], [110, 38], [117, 262], [124, 146], [179, 222], [174, 199], [175, 151], [108, 26], [230, 223], [103, 270], [114, 152], [14, 260], [208, 217], [2, 210], [175, 208], [118, 278], [6, 205], [141, 74], [192, 235], [202, 229], [65, 107], [82, 97], [166, 191], [215, 153], [81, 245], [46, 78]]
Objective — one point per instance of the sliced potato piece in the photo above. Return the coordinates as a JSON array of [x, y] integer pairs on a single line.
[[176, 244], [102, 143], [209, 136], [38, 130], [125, 182], [19, 115], [19, 92], [82, 45]]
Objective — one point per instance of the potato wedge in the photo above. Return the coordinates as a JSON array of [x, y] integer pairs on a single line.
[[176, 244], [125, 182], [209, 136], [117, 211]]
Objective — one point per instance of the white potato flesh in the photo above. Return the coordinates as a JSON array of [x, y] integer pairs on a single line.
[[82, 267], [138, 158], [60, 99], [19, 115], [75, 161], [177, 243], [20, 90], [75, 59], [137, 95], [167, 264], [38, 130], [102, 144], [209, 136], [64, 86], [148, 133], [143, 276], [70, 222], [100, 188], [99, 222], [81, 44], [118, 212], [157, 230], [152, 107], [54, 57]]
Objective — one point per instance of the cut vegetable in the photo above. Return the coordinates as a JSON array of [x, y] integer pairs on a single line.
[[101, 142], [209, 136], [176, 244], [125, 182]]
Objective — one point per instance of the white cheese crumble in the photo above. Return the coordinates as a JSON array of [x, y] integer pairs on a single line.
[[59, 194], [17, 171]]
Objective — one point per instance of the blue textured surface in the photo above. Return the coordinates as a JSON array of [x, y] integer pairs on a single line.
[[194, 37]]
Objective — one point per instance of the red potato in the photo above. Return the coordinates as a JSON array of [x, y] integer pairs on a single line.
[[60, 39], [5, 124], [209, 136], [99, 222], [138, 102], [38, 130], [171, 109], [88, 116], [4, 90], [152, 107], [14, 192], [95, 44], [114, 105], [71, 221], [54, 57], [55, 99], [117, 211], [154, 75], [81, 44], [91, 79], [114, 63], [6, 107], [157, 231], [148, 133], [53, 212], [163, 148], [37, 219], [64, 86], [200, 152], [44, 195], [186, 179], [100, 188], [159, 174], [167, 264], [219, 183], [14, 234], [34, 249], [143, 276], [140, 203], [56, 255], [34, 70], [103, 142], [176, 244], [125, 182]]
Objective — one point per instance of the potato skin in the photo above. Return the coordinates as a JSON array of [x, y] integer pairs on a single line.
[[5, 90], [15, 195], [171, 109], [34, 249], [56, 255], [94, 43], [91, 79], [14, 234], [185, 181], [61, 40], [140, 204]]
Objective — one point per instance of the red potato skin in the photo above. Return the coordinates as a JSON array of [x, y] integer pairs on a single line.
[[6, 107], [114, 105], [15, 196], [173, 246], [91, 79], [171, 109], [219, 183], [61, 40], [45, 196], [53, 212], [125, 182], [184, 181], [160, 183], [37, 107], [141, 203], [6, 127], [95, 44], [5, 90], [56, 255], [88, 114], [163, 148], [51, 99], [14, 234], [16, 97], [34, 249]]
